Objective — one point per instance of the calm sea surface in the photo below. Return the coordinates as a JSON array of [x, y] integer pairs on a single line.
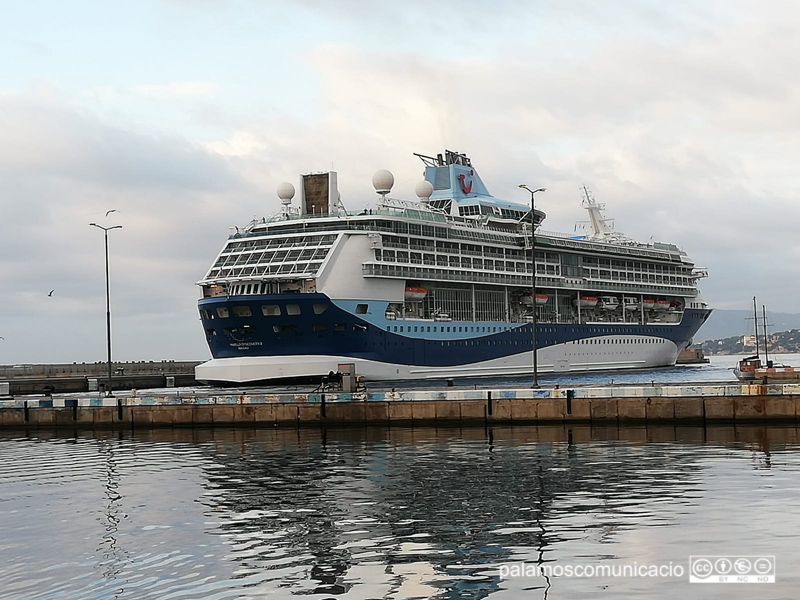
[[392, 513]]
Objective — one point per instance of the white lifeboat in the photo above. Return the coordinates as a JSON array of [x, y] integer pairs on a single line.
[[415, 293], [648, 303], [585, 301], [540, 299], [662, 304], [609, 302]]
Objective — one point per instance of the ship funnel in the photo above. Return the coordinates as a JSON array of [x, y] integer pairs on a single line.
[[319, 193]]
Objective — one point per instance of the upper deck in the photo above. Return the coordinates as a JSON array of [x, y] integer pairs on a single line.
[[423, 241]]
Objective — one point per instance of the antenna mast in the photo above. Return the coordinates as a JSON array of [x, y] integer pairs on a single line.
[[766, 342], [755, 324], [600, 228]]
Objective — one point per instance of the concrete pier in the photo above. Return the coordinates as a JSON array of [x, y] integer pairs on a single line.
[[85, 377], [602, 405]]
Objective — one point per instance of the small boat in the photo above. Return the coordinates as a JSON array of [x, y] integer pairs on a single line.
[[630, 303], [415, 293], [585, 301], [752, 369], [648, 303], [662, 305], [609, 302]]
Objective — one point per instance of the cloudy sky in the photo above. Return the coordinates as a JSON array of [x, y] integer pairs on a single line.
[[184, 115]]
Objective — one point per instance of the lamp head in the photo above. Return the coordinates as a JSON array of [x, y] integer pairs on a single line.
[[526, 187]]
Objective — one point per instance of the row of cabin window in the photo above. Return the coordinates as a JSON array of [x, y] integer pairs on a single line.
[[413, 272], [446, 329], [251, 329], [295, 242], [575, 260], [610, 330], [273, 256], [625, 341], [268, 310], [339, 327]]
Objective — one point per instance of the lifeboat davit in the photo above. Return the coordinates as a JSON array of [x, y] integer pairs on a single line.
[[609, 302], [630, 303], [415, 293], [585, 301]]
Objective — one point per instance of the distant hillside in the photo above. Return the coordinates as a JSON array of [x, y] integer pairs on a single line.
[[782, 342], [730, 323]]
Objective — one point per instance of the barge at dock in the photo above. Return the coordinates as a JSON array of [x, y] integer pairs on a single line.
[[440, 287]]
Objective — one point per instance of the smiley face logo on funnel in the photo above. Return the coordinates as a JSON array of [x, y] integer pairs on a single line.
[[465, 187]]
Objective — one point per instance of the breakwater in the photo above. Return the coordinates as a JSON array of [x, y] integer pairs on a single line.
[[85, 377], [696, 404]]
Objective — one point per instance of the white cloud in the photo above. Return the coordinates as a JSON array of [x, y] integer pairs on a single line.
[[178, 89], [682, 119]]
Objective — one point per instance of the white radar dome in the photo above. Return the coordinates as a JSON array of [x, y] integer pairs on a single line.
[[286, 191], [383, 181], [424, 190]]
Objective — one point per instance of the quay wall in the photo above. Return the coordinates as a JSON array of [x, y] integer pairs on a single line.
[[604, 405]]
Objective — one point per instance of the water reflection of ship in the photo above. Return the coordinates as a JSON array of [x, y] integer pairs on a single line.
[[455, 504]]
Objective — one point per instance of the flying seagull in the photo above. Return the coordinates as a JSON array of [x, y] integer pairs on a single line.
[[1, 337], [108, 212], [51, 293]]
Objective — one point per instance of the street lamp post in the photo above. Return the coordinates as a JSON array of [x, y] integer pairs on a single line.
[[533, 281], [108, 302]]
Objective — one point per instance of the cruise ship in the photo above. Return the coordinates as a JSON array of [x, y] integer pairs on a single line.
[[442, 286]]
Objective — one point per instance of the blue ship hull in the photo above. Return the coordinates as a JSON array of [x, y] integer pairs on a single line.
[[334, 331]]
